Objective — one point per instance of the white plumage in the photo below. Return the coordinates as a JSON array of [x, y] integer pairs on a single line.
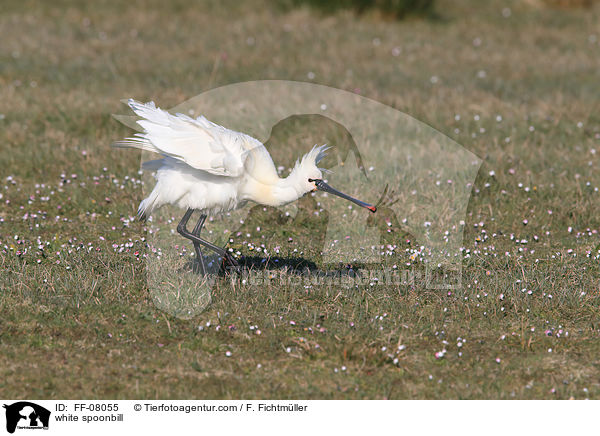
[[209, 168]]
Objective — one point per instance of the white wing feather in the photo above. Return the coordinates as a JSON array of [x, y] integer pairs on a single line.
[[198, 142]]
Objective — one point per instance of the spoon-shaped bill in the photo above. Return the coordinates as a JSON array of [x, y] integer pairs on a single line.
[[322, 186]]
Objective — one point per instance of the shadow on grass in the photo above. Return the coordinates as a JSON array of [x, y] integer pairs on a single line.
[[298, 266]]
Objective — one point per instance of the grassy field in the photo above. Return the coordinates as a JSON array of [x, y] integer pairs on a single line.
[[515, 82]]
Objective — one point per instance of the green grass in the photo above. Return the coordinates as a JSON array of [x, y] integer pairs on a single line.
[[82, 322]]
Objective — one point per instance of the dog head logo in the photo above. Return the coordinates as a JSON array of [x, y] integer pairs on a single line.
[[26, 415]]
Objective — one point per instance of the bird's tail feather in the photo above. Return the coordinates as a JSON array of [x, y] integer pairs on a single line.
[[148, 205]]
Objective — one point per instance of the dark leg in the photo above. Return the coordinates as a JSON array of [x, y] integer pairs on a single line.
[[196, 232], [181, 228]]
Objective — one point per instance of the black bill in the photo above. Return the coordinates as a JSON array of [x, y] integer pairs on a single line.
[[322, 186]]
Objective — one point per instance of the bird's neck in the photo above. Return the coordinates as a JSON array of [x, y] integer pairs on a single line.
[[288, 189], [274, 191]]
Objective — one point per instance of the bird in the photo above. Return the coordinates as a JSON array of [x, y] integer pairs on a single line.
[[208, 168]]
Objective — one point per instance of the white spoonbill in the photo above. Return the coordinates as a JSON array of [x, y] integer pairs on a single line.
[[211, 169]]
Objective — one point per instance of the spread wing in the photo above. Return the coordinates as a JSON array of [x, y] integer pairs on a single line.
[[196, 141]]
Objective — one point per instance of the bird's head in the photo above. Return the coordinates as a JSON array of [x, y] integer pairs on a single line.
[[306, 169], [311, 177]]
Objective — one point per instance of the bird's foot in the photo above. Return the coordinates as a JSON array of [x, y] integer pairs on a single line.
[[198, 268], [230, 264]]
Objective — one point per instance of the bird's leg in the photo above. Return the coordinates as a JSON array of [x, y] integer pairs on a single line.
[[196, 232], [183, 231]]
